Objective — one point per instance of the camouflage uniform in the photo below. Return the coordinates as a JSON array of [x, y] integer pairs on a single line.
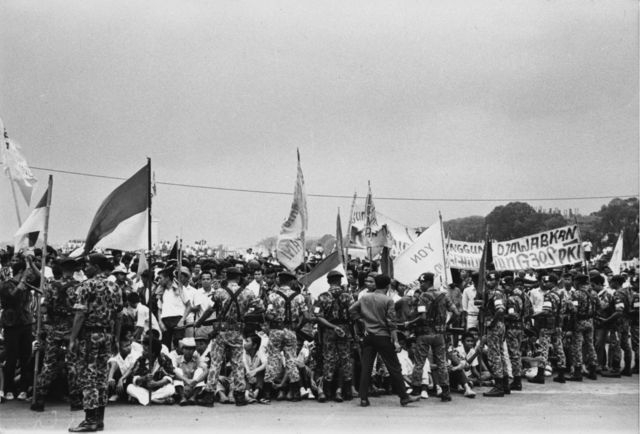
[[101, 302], [621, 302], [551, 333], [430, 335], [584, 310], [284, 311], [228, 330], [59, 299], [633, 316], [514, 326], [333, 306], [604, 309], [495, 304]]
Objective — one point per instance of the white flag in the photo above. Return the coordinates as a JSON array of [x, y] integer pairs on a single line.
[[616, 257], [424, 255], [15, 166]]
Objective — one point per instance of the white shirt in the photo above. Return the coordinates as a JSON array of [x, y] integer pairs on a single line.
[[468, 295], [254, 287], [537, 299], [172, 304], [141, 315]]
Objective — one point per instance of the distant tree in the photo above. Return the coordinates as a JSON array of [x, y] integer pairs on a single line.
[[465, 229], [519, 219], [617, 215]]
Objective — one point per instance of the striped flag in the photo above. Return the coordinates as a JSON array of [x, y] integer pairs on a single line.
[[33, 226], [316, 280], [290, 248], [122, 221]]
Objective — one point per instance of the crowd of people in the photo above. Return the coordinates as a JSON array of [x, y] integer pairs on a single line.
[[202, 330]]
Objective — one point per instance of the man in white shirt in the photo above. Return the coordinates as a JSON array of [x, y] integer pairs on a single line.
[[140, 316], [468, 307], [257, 282]]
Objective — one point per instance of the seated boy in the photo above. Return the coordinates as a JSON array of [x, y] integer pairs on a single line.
[[189, 373], [121, 365], [255, 364], [155, 377]]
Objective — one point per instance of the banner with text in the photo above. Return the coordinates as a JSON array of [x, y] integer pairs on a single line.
[[464, 255], [399, 236], [548, 249], [424, 255]]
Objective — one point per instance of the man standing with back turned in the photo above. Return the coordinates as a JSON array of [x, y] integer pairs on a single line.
[[376, 311]]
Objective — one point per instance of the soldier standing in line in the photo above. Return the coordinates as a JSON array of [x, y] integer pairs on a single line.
[[513, 322], [96, 323], [431, 309], [551, 329], [584, 309], [494, 311], [331, 311], [232, 304], [286, 310], [634, 317], [620, 325], [59, 299]]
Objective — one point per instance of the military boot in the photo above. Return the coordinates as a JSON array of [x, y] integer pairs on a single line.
[[240, 399], [592, 375], [635, 367], [206, 399], [627, 365], [322, 397], [295, 391], [614, 373], [577, 374], [100, 418], [445, 396], [505, 385], [89, 424], [38, 404], [516, 384], [497, 391], [348, 392], [560, 378], [539, 378], [266, 393]]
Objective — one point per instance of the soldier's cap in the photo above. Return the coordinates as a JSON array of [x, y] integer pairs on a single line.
[[518, 281], [507, 281], [201, 334], [185, 270], [617, 279], [158, 264], [101, 261], [120, 269], [188, 343], [426, 277], [567, 275], [233, 272], [598, 279], [506, 273], [550, 278], [530, 281], [67, 263], [334, 273], [581, 279], [492, 275], [594, 272]]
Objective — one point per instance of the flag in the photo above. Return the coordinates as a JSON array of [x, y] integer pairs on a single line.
[[143, 265], [375, 234], [290, 248], [316, 280], [122, 221], [30, 230], [424, 255], [615, 263], [15, 166]]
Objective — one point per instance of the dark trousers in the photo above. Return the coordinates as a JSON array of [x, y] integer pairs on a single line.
[[17, 342], [371, 346]]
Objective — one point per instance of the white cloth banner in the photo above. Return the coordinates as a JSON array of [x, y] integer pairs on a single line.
[[548, 249], [464, 255], [616, 257], [399, 236], [424, 255]]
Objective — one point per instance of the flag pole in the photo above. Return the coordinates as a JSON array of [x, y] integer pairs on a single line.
[[585, 263], [39, 295], [148, 284], [341, 245], [353, 204], [444, 248], [367, 229]]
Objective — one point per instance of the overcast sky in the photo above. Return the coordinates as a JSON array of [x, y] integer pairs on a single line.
[[427, 99]]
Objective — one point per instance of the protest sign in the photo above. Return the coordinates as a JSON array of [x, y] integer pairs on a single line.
[[464, 255]]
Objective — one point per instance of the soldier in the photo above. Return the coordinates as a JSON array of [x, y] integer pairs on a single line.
[[633, 315], [494, 310], [604, 310], [96, 323], [233, 304], [620, 326], [583, 308], [59, 300], [430, 321], [331, 311], [550, 329], [514, 322], [285, 312]]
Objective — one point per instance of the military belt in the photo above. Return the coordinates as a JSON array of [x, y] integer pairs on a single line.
[[97, 329]]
